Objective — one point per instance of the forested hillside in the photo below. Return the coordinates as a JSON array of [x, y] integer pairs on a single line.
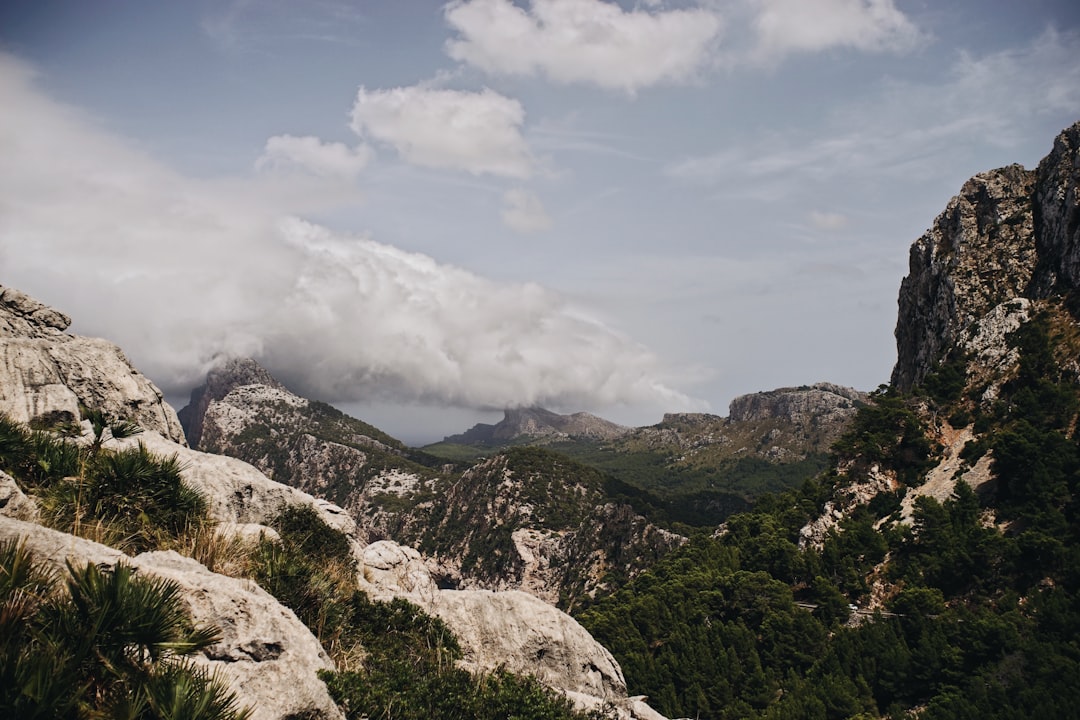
[[970, 609]]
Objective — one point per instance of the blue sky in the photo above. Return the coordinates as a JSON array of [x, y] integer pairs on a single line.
[[424, 212]]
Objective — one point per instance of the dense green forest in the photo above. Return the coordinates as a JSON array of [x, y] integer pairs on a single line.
[[977, 601]]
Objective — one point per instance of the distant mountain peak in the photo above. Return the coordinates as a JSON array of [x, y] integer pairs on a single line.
[[223, 378], [538, 422]]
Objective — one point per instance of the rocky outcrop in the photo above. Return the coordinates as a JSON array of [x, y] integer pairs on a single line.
[[1010, 233], [535, 423], [46, 373], [782, 426], [979, 253], [818, 403], [266, 655], [228, 375], [14, 503], [1057, 216], [235, 491], [510, 630]]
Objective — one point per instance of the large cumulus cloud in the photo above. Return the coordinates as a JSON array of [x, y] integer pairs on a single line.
[[179, 271]]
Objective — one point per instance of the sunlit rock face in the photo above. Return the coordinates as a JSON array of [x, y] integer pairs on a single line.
[[1010, 233], [46, 373]]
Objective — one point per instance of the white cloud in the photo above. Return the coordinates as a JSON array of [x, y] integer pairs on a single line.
[[310, 154], [524, 212], [916, 130], [583, 41], [789, 26], [478, 132], [828, 220], [178, 270]]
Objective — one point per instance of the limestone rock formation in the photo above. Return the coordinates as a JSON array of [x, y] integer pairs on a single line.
[[783, 425], [493, 528], [821, 403], [243, 412], [225, 377], [268, 657], [511, 630], [1057, 215], [14, 503], [46, 373], [1010, 233], [235, 491]]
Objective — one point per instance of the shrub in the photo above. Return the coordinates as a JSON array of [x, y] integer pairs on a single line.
[[109, 644]]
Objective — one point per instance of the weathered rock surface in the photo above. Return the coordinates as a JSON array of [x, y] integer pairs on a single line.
[[235, 491], [782, 425], [979, 253], [228, 375], [511, 630], [941, 480], [536, 422], [818, 402], [47, 373], [268, 657], [1057, 216], [14, 503], [1010, 233]]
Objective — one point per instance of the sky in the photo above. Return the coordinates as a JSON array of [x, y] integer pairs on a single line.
[[425, 212]]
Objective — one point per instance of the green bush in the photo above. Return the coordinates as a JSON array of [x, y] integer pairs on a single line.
[[107, 644]]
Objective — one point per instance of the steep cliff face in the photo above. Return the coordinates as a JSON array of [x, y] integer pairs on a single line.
[[46, 373], [992, 286], [1057, 216], [979, 253], [1010, 233]]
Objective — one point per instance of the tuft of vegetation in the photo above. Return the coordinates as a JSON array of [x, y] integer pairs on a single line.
[[130, 497], [394, 660], [106, 644]]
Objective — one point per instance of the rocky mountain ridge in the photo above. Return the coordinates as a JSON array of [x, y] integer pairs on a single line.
[[1000, 263], [48, 373], [522, 520], [931, 569]]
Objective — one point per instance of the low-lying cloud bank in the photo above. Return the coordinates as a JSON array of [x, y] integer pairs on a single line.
[[180, 271]]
